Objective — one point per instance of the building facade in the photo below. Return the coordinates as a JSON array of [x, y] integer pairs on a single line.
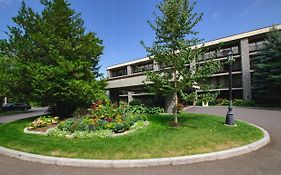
[[125, 80]]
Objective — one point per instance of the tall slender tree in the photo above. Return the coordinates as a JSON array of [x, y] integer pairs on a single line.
[[267, 74], [177, 52], [56, 58]]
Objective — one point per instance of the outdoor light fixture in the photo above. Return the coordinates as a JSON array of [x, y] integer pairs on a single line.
[[229, 120]]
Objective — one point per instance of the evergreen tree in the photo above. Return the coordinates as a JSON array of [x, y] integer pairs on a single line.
[[267, 75], [177, 52], [57, 60]]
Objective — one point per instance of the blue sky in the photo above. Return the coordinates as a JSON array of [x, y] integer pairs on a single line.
[[121, 24]]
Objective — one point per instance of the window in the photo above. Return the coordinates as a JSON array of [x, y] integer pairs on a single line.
[[256, 46], [224, 52], [142, 67], [119, 72]]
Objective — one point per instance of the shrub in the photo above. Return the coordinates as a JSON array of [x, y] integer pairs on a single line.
[[135, 102], [119, 127], [220, 100], [140, 109], [155, 110], [240, 102], [80, 112], [235, 102], [66, 125], [84, 124]]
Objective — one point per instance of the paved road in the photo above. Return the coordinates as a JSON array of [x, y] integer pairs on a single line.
[[266, 161], [31, 113]]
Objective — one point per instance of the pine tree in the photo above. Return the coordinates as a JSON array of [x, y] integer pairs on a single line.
[[56, 58], [267, 74], [176, 49]]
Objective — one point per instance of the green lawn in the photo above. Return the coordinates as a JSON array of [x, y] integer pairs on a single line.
[[198, 134]]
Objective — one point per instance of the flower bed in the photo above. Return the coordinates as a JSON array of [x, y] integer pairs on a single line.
[[42, 123], [101, 120]]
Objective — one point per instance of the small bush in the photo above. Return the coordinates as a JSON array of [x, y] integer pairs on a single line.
[[135, 102], [155, 110], [140, 109], [240, 102], [66, 125], [235, 102]]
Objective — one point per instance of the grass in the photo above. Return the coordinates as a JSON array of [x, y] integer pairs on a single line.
[[4, 113], [198, 133]]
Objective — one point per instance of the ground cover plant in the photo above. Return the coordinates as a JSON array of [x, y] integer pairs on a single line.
[[198, 133]]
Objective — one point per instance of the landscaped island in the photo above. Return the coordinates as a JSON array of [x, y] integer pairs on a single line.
[[197, 133], [102, 119]]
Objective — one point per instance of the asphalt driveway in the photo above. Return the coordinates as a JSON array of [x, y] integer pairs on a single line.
[[266, 161], [31, 113]]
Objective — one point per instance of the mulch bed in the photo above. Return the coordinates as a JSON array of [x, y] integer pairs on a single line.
[[44, 129]]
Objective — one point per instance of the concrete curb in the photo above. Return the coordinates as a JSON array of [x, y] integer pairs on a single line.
[[245, 107], [188, 107], [139, 162]]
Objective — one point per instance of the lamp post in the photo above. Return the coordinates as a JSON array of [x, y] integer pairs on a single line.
[[229, 120]]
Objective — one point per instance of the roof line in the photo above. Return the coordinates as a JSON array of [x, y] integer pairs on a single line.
[[208, 43]]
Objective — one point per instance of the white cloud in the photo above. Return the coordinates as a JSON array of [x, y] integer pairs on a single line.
[[253, 4]]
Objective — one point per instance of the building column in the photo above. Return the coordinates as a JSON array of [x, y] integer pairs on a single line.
[[107, 92], [156, 66], [129, 70], [169, 103], [130, 96], [108, 74], [245, 66]]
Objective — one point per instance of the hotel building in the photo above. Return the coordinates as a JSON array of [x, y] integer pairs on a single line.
[[125, 80]]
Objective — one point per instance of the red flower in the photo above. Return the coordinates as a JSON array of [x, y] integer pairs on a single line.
[[99, 102], [94, 105], [108, 119]]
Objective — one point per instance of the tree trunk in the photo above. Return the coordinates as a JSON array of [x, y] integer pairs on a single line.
[[176, 108], [175, 111], [1, 102]]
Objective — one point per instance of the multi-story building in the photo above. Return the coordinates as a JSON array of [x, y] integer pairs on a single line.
[[125, 80]]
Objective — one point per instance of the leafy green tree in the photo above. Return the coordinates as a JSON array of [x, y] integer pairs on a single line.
[[3, 86], [56, 59], [267, 75], [5, 76], [177, 52]]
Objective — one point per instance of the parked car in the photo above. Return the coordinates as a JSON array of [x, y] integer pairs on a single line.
[[16, 106]]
